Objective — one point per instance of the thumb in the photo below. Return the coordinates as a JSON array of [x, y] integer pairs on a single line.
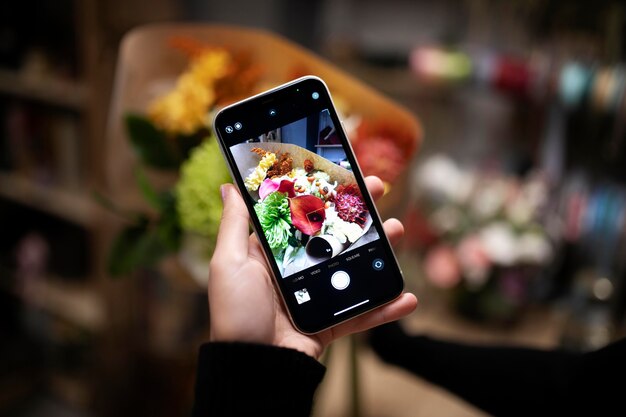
[[232, 239]]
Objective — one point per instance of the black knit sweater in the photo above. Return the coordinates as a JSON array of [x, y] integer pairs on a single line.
[[243, 379], [510, 380]]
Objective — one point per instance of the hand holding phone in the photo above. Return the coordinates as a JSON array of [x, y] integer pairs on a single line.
[[244, 305], [319, 235]]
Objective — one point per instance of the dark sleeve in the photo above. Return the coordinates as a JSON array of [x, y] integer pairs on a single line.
[[516, 381], [243, 379]]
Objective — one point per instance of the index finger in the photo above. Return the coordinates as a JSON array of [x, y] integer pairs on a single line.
[[375, 186]]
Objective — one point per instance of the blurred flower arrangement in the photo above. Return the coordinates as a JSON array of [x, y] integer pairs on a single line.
[[174, 136], [485, 240]]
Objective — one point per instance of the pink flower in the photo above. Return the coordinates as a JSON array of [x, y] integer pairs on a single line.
[[268, 186], [307, 213], [473, 260], [442, 267]]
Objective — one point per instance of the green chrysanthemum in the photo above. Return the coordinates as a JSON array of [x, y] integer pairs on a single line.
[[274, 216], [198, 201]]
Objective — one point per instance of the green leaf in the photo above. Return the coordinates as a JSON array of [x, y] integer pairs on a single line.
[[187, 143], [138, 245], [145, 242], [148, 192], [122, 258], [168, 226], [169, 233], [152, 146]]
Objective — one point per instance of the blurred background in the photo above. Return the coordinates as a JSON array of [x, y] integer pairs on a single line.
[[514, 204]]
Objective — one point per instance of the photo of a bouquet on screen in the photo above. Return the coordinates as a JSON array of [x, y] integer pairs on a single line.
[[309, 206]]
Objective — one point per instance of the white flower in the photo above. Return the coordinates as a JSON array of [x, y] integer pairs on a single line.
[[534, 248], [489, 198], [342, 230], [520, 211], [536, 191], [528, 202], [465, 187], [322, 188], [447, 219], [499, 243], [297, 173], [440, 176], [321, 175]]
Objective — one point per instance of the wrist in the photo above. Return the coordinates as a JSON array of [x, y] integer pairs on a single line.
[[307, 345]]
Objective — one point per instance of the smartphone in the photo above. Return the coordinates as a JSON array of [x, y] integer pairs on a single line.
[[321, 233]]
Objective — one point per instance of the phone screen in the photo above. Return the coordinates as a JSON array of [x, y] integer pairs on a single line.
[[316, 221]]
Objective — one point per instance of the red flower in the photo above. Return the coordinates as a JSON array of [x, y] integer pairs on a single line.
[[380, 156], [307, 213], [384, 148]]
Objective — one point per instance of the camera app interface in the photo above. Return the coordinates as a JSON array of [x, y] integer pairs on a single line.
[[305, 195]]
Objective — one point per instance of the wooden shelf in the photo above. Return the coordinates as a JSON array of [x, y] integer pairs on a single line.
[[67, 94], [75, 206], [72, 390], [78, 304]]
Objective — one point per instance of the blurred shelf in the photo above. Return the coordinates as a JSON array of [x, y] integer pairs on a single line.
[[15, 387], [397, 82], [75, 206], [75, 303], [74, 391], [180, 277], [66, 94]]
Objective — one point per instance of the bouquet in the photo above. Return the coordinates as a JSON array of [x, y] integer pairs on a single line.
[[173, 135]]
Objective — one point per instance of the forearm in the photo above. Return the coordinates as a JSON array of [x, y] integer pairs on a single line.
[[504, 381], [511, 381], [250, 379]]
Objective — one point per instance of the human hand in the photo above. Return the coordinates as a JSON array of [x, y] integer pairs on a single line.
[[243, 301]]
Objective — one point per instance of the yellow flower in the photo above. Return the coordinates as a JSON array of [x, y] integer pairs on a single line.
[[256, 177], [184, 109], [210, 65]]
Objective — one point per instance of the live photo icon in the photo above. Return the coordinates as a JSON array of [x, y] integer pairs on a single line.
[[302, 296]]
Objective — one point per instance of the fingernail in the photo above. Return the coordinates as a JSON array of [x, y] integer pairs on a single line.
[[223, 191]]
